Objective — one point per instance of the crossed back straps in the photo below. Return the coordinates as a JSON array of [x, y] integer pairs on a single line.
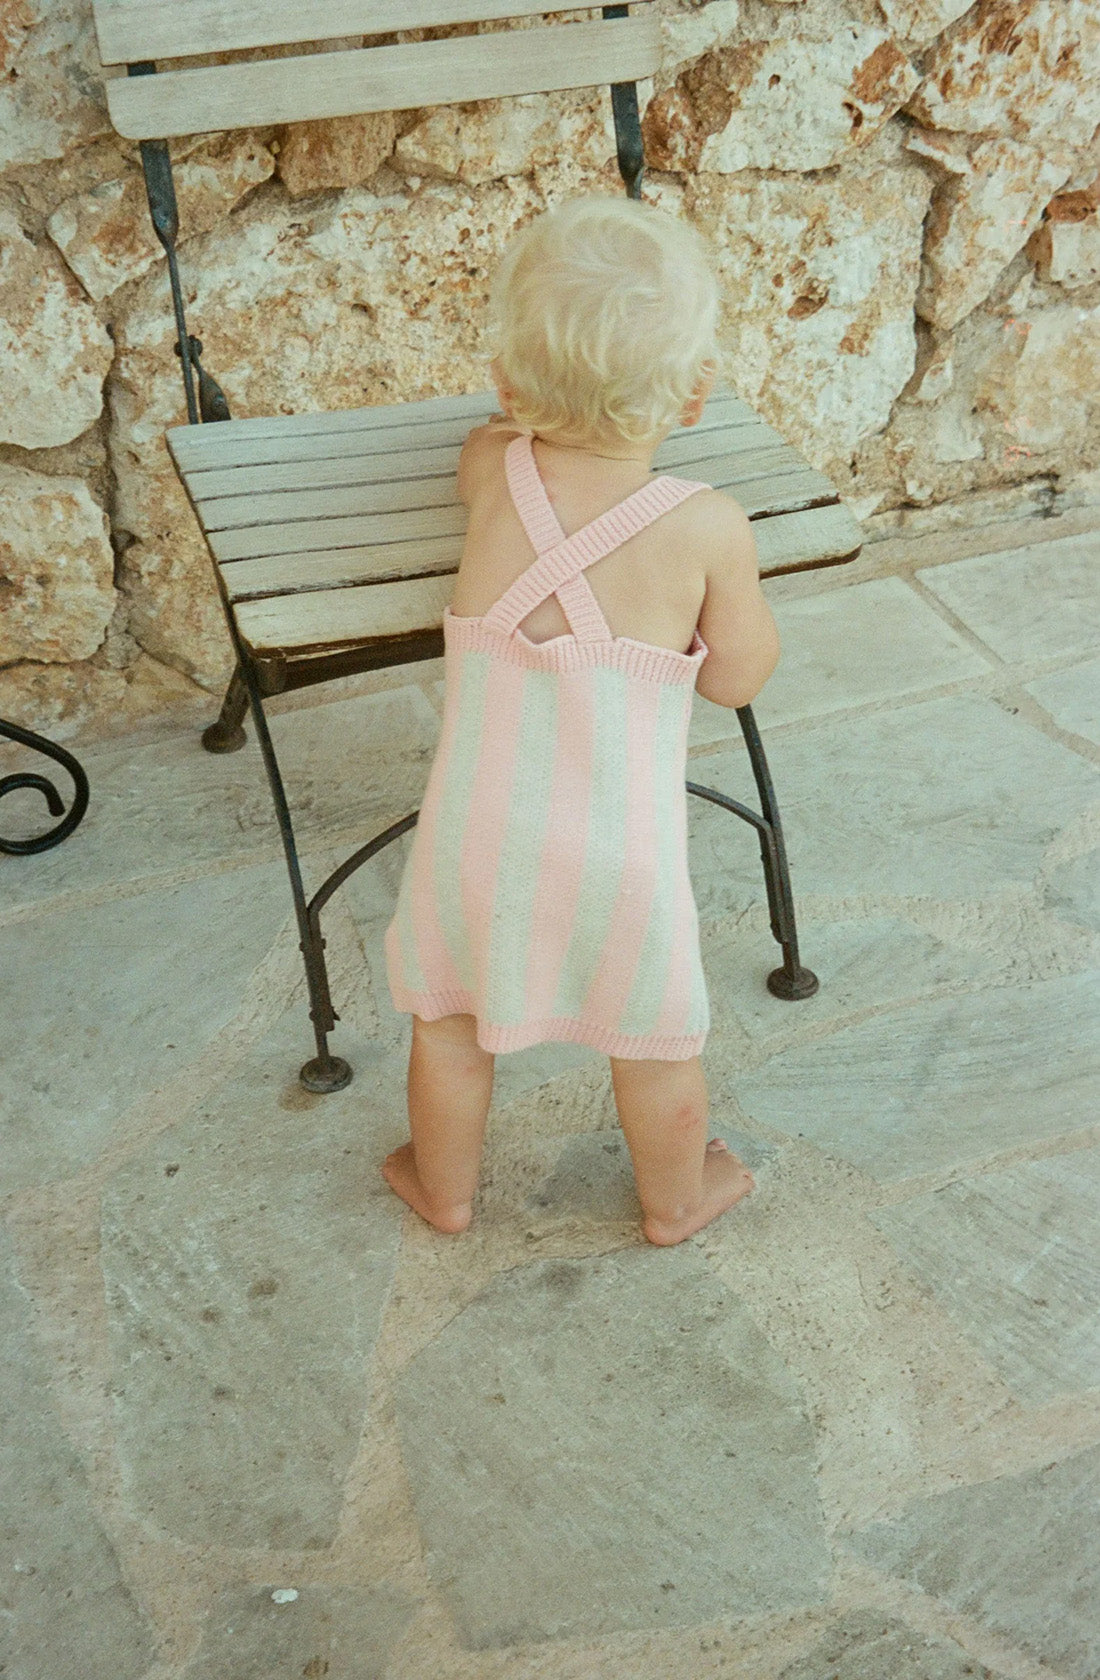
[[560, 562]]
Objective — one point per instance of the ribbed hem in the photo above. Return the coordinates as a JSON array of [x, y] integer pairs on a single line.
[[658, 1047], [564, 653]]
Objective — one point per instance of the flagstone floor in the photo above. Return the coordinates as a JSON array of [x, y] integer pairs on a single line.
[[262, 1422]]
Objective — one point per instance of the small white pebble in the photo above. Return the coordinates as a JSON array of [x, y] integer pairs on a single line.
[[284, 1595]]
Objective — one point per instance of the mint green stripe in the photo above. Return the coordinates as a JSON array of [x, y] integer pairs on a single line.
[[603, 860], [453, 811], [411, 972], [643, 1007], [518, 870]]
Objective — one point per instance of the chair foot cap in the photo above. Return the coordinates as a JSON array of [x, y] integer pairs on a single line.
[[315, 1076], [217, 739], [793, 987]]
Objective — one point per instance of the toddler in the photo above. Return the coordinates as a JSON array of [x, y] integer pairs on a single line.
[[546, 895]]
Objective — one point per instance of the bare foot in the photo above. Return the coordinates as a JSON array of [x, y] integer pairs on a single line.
[[725, 1181], [399, 1172]]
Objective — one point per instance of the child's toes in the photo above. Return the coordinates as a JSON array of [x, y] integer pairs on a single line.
[[718, 1143]]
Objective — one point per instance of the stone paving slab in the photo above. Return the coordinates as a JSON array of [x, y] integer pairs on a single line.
[[1028, 604], [597, 1445], [1072, 890], [1072, 696], [945, 798], [862, 963], [113, 1000], [592, 1178], [941, 1084], [351, 766], [247, 1256], [322, 1633], [1021, 1555], [1014, 1257], [846, 647], [866, 1645], [64, 1607]]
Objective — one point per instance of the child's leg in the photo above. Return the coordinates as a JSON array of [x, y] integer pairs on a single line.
[[450, 1087], [683, 1181]]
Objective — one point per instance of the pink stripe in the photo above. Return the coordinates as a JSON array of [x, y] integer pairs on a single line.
[[487, 813], [611, 985], [562, 863], [432, 1006], [431, 948]]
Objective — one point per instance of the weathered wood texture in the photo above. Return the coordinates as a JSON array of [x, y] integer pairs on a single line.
[[131, 30], [336, 529], [391, 78]]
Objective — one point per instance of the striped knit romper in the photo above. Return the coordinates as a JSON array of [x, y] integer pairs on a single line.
[[547, 892]]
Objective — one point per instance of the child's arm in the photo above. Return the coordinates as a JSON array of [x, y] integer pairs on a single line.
[[736, 622]]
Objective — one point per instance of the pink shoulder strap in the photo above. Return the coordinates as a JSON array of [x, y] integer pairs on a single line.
[[560, 560]]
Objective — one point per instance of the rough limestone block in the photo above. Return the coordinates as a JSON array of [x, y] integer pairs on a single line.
[[1033, 603], [247, 1256], [64, 1606], [797, 102], [865, 1645], [54, 354], [1039, 385], [919, 21], [56, 567], [501, 137], [941, 1084], [1020, 1555], [1014, 1258], [337, 152], [252, 1634], [142, 985], [979, 220], [106, 236], [51, 94], [819, 276], [1026, 69], [597, 1445]]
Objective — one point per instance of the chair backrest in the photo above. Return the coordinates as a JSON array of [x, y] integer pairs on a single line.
[[337, 82]]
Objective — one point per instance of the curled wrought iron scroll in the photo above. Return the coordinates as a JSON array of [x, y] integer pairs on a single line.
[[28, 779]]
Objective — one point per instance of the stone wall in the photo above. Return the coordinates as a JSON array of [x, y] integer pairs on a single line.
[[903, 195]]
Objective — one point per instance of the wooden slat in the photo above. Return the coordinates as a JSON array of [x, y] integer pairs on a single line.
[[378, 417], [277, 507], [131, 30], [222, 447], [335, 617], [298, 573], [822, 536], [255, 540], [342, 84], [688, 449]]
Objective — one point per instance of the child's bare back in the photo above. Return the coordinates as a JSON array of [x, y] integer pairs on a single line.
[[696, 569]]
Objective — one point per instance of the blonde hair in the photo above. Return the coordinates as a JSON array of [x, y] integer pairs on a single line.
[[603, 313]]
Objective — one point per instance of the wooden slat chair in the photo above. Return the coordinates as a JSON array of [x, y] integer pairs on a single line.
[[335, 537]]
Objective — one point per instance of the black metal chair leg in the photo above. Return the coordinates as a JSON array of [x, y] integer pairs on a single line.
[[226, 734], [792, 982], [324, 1072]]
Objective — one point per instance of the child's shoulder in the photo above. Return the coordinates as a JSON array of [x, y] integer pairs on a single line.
[[483, 452]]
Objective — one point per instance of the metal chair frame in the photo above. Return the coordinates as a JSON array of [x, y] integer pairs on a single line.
[[255, 679]]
